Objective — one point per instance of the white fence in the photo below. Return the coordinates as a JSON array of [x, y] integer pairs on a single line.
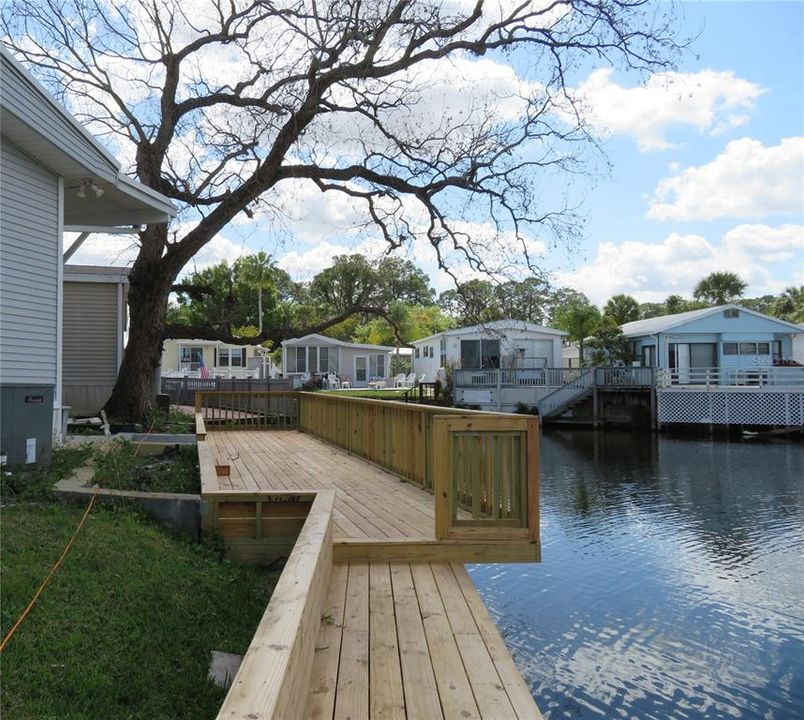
[[730, 406]]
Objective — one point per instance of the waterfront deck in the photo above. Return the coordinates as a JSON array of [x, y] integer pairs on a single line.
[[373, 615]]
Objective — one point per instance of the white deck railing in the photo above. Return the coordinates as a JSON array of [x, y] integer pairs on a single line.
[[533, 377], [559, 400], [767, 377]]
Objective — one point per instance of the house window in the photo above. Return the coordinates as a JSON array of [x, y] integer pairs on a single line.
[[416, 353], [297, 359], [327, 360], [731, 313], [763, 348], [377, 366], [730, 348], [191, 357], [443, 348], [231, 357], [476, 354], [748, 348]]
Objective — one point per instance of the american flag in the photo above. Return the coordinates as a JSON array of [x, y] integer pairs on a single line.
[[203, 370]]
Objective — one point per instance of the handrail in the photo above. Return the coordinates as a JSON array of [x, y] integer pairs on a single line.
[[256, 409], [716, 378], [559, 399], [273, 679], [484, 463]]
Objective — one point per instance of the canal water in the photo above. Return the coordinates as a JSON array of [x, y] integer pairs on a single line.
[[672, 580]]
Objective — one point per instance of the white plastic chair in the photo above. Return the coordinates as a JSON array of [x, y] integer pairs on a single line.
[[410, 381], [401, 380], [333, 382]]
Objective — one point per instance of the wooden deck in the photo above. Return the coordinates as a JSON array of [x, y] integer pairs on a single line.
[[377, 514], [370, 502], [415, 641], [375, 506]]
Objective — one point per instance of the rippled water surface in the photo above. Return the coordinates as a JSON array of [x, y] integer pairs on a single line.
[[672, 580]]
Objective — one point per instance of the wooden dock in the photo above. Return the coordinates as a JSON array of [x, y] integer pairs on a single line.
[[374, 615]]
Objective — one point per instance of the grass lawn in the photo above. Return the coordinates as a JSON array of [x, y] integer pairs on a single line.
[[127, 624]]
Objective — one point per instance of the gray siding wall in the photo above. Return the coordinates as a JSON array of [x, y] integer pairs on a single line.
[[26, 100], [91, 340], [29, 226]]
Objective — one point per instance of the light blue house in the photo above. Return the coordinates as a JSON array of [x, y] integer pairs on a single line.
[[725, 337]]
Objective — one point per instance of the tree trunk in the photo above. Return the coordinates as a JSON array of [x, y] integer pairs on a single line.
[[150, 282]]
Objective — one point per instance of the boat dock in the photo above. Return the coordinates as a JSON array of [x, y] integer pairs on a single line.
[[376, 505]]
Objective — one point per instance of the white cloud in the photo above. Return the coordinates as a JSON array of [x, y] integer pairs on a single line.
[[708, 101], [760, 254], [121, 251], [746, 180]]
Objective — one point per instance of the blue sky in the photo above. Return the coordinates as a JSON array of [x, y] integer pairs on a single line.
[[706, 170]]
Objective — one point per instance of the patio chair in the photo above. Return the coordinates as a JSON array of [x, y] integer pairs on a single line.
[[332, 382], [410, 381], [401, 380], [422, 378]]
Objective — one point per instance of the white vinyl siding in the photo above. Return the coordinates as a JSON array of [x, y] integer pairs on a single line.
[[29, 226]]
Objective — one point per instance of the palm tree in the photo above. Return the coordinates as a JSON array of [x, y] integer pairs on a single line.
[[790, 304], [258, 271], [622, 309], [580, 320], [720, 288]]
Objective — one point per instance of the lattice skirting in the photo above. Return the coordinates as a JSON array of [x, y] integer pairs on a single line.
[[731, 408]]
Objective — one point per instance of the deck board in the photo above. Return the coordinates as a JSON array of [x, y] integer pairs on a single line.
[[413, 643], [370, 502]]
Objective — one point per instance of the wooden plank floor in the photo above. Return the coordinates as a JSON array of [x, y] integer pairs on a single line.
[[400, 640], [370, 502]]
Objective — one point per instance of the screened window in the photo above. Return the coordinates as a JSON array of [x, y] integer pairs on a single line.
[[377, 365], [763, 348], [476, 354], [731, 313], [327, 360], [748, 348], [191, 356], [729, 348], [231, 357], [416, 353], [443, 348], [297, 359]]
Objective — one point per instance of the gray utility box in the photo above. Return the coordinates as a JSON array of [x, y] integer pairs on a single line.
[[26, 424]]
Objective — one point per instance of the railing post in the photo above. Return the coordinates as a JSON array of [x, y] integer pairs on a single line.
[[198, 402], [442, 478], [533, 479]]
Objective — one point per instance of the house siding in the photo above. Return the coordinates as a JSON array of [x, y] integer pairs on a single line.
[[90, 349], [29, 257], [48, 127]]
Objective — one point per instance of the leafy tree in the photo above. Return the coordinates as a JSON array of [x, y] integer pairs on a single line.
[[790, 304], [527, 300], [225, 106], [622, 309], [650, 310], [720, 288], [474, 301], [580, 320], [258, 271], [608, 344]]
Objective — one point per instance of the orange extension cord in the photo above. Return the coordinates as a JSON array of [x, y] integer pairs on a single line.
[[47, 579], [58, 562]]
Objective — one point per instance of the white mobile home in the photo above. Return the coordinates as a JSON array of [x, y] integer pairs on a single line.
[[55, 178], [355, 363], [184, 358], [506, 344]]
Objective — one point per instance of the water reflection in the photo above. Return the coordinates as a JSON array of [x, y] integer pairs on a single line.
[[672, 584]]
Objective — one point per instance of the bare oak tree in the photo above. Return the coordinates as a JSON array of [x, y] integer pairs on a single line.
[[220, 104]]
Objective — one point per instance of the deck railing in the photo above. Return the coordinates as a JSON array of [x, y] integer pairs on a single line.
[[515, 377], [485, 464], [264, 410], [760, 377]]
